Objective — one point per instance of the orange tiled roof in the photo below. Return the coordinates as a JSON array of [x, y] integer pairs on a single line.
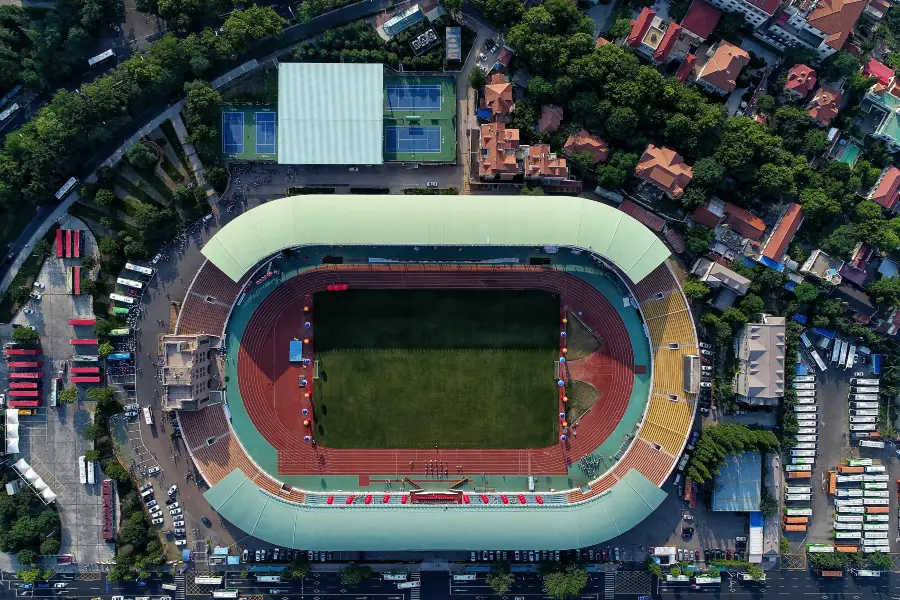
[[724, 66], [601, 41], [825, 105], [664, 168], [701, 19], [686, 67], [888, 187], [744, 223], [836, 19], [801, 79], [498, 151], [498, 95], [668, 41], [784, 232], [540, 162], [585, 142], [639, 27], [551, 118]]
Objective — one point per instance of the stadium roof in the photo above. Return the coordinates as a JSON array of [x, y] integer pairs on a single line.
[[422, 527], [435, 220], [330, 114]]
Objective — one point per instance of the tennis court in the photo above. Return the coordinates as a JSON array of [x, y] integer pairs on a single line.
[[425, 140], [233, 132], [413, 97], [265, 133]]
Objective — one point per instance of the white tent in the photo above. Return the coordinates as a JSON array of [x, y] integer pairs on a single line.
[[21, 466], [12, 431], [48, 495], [30, 475]]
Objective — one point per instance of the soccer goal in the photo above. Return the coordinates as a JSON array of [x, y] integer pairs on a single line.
[[316, 370]]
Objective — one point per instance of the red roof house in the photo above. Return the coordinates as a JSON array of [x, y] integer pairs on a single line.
[[784, 232], [836, 19], [742, 222], [719, 74], [881, 72], [639, 27], [665, 169], [551, 118], [825, 105], [686, 67], [585, 142], [885, 192], [800, 81], [701, 19]]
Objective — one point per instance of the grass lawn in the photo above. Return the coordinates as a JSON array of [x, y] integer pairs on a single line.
[[418, 368]]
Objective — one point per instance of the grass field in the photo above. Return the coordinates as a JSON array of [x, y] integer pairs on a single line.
[[418, 368]]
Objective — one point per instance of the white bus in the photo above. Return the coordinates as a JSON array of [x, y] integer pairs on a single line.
[[804, 378], [865, 390], [818, 360], [875, 485], [705, 579], [805, 408], [848, 493], [876, 494], [797, 497], [843, 357], [798, 489], [464, 577], [225, 593], [849, 518], [851, 354], [804, 386], [806, 393], [875, 477], [808, 417], [139, 269], [862, 381], [798, 512], [82, 470], [876, 501], [268, 579], [875, 535], [120, 298], [848, 535], [876, 526], [803, 453], [409, 584], [130, 283], [807, 438], [850, 510], [851, 502], [68, 185], [148, 415], [169, 586], [870, 402], [862, 427], [806, 399], [859, 462], [796, 468], [855, 419], [836, 350], [799, 460], [202, 580], [804, 446], [878, 518], [871, 443], [870, 548], [91, 472], [398, 577], [876, 469], [807, 430], [103, 56], [841, 526], [865, 573], [865, 412]]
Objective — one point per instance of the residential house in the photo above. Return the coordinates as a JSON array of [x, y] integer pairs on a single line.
[[503, 58], [776, 245], [542, 165], [498, 98], [585, 142], [665, 169], [876, 9], [500, 158], [881, 72], [759, 349], [686, 68], [819, 25], [800, 82], [824, 106], [720, 277], [855, 303], [822, 267], [857, 269], [720, 71], [653, 37], [887, 189], [733, 217], [551, 118], [883, 102], [700, 21], [601, 41]]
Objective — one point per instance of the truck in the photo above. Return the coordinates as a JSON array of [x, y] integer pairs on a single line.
[[799, 474], [842, 469]]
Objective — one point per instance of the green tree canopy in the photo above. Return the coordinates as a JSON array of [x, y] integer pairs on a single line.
[[25, 335], [697, 239], [354, 574], [68, 395], [695, 289], [567, 583], [886, 290], [141, 156], [500, 578]]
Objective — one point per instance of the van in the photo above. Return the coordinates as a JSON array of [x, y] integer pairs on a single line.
[[147, 494]]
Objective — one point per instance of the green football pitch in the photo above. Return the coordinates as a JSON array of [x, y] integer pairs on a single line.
[[449, 368]]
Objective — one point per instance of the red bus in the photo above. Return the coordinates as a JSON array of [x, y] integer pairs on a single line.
[[23, 385], [84, 342], [68, 243], [23, 351], [25, 393], [85, 379], [26, 375], [59, 243], [84, 370], [76, 280], [77, 235], [84, 322], [24, 403], [26, 364]]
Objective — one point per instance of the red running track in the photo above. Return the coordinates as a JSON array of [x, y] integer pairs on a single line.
[[268, 382]]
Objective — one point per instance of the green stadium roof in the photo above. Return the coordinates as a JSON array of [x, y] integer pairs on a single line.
[[418, 527], [330, 114], [435, 220]]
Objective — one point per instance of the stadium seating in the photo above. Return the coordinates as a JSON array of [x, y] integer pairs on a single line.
[[221, 458], [659, 281], [208, 302], [199, 426], [653, 463], [668, 372], [668, 423]]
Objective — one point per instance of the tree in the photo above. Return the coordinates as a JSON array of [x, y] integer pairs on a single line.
[[698, 239], [29, 575], [752, 305], [720, 329], [105, 349], [768, 504], [68, 395], [841, 64], [881, 561], [886, 290], [731, 27], [141, 156], [50, 546], [806, 292], [93, 431], [765, 103], [92, 455], [675, 571], [477, 78], [734, 316], [114, 470], [88, 286], [708, 173], [27, 557], [502, 13], [568, 583], [531, 190], [617, 172], [815, 143], [354, 574], [620, 28], [108, 246], [695, 289], [216, 176], [102, 328], [42, 249], [203, 105], [88, 263], [500, 579], [453, 5], [25, 336]]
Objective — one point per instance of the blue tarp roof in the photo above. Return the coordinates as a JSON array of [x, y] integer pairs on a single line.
[[748, 262], [186, 555], [756, 519], [802, 369], [800, 318], [877, 363], [825, 332], [484, 113], [772, 264], [789, 286]]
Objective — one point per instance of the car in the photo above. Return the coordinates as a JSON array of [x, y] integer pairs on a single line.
[[309, 555], [531, 556], [153, 470], [180, 542], [244, 555], [28, 586], [179, 523], [516, 555], [482, 56], [60, 585], [275, 554], [353, 169], [706, 346], [706, 556], [855, 358], [696, 556], [687, 517], [170, 501], [705, 384], [43, 585], [859, 374], [431, 184], [174, 505], [257, 553], [728, 554], [206, 521], [158, 521], [705, 368], [687, 532], [175, 511], [604, 555], [321, 557], [546, 555], [680, 555], [180, 531], [472, 557], [555, 556], [618, 556], [491, 555], [156, 514], [740, 538], [151, 503], [706, 352], [173, 490]]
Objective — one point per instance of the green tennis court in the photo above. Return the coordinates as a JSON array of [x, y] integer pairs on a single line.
[[419, 119], [249, 132]]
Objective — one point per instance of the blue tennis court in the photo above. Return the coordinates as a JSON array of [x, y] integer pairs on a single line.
[[413, 97], [426, 140], [232, 133], [265, 133]]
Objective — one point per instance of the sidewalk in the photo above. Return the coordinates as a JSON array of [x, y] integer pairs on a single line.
[[189, 150]]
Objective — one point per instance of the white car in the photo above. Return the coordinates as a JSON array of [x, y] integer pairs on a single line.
[[156, 514], [706, 352], [173, 506], [178, 523], [431, 184], [482, 56], [153, 470], [158, 521], [146, 486], [28, 311], [172, 490], [705, 384], [180, 542], [705, 345], [151, 503], [175, 511], [60, 585], [859, 374], [353, 169]]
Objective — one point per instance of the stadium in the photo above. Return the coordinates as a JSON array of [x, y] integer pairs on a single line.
[[440, 373]]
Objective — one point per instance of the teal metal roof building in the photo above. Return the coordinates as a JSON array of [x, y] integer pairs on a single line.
[[330, 114], [436, 220]]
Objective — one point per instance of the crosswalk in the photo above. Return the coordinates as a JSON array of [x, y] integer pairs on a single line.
[[414, 592], [179, 585], [609, 585]]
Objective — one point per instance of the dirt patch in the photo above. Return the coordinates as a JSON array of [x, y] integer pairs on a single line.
[[582, 396], [580, 342], [174, 308]]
